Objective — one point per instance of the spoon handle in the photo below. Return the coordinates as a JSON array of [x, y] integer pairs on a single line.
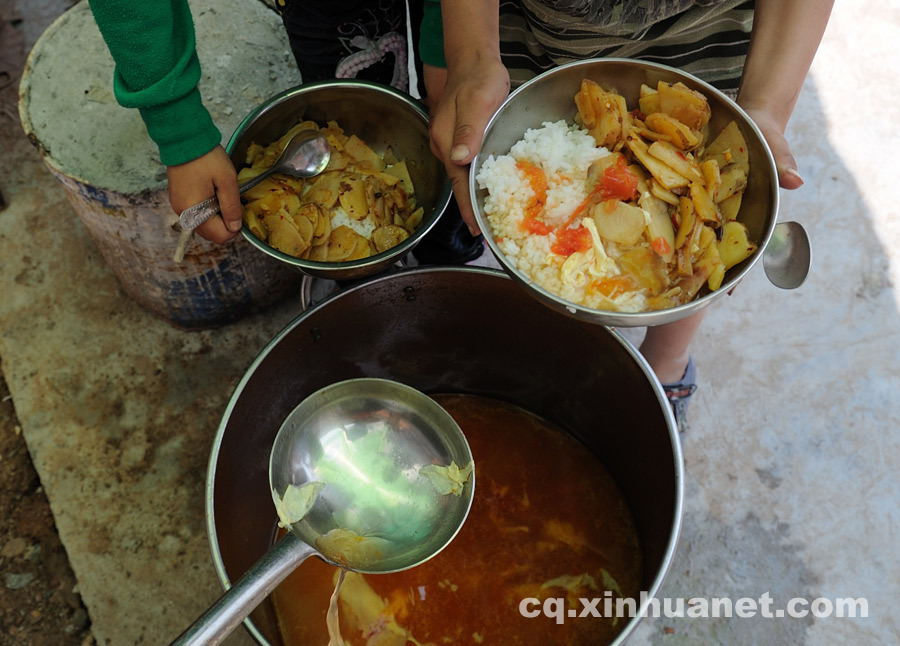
[[193, 216]]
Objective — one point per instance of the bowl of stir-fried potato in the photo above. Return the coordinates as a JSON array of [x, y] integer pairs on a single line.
[[381, 192], [665, 203]]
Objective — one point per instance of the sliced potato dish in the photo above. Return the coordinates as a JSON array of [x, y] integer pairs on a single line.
[[361, 205], [651, 216]]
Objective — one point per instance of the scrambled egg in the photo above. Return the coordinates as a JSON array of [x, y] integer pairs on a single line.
[[583, 266]]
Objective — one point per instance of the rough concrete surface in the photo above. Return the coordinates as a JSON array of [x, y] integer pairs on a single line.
[[123, 413], [39, 600], [792, 452], [245, 58]]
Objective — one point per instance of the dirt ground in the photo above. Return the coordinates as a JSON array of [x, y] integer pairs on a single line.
[[39, 601]]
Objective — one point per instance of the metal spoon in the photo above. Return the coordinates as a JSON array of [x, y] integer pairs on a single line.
[[306, 155], [365, 440], [787, 256]]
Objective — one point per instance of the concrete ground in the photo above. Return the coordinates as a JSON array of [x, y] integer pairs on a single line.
[[792, 453]]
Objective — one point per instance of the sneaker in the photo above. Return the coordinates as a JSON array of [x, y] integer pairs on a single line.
[[680, 392]]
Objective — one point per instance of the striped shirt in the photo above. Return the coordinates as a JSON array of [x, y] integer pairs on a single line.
[[707, 38]]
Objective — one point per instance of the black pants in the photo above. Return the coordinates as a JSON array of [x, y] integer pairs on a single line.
[[367, 39], [349, 38]]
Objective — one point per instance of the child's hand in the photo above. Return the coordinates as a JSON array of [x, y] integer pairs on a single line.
[[201, 178], [468, 101], [788, 177]]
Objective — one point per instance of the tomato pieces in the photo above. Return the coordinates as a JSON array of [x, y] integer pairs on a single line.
[[618, 182], [661, 246], [568, 241], [538, 182], [533, 225]]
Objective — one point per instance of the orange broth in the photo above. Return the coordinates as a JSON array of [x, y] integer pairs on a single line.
[[544, 508]]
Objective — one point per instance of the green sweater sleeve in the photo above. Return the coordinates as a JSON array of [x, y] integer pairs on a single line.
[[157, 71], [431, 35]]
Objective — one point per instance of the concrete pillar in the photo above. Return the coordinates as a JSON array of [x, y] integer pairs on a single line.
[[111, 171]]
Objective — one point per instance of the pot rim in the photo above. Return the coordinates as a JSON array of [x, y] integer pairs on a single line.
[[642, 363]]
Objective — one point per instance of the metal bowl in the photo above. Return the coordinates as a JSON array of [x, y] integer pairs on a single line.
[[549, 97], [377, 114]]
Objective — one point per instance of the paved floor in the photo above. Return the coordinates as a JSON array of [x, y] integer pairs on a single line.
[[792, 453]]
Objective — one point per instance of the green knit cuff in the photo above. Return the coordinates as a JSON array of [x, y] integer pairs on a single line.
[[182, 129], [431, 35]]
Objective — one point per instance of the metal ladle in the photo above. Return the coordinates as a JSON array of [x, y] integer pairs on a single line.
[[786, 258], [306, 155], [365, 440]]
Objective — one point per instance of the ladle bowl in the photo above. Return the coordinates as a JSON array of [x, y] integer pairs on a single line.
[[365, 442]]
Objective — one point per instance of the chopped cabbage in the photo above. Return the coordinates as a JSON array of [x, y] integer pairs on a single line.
[[296, 502], [448, 480]]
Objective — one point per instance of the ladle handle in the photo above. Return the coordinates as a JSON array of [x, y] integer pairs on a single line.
[[245, 595]]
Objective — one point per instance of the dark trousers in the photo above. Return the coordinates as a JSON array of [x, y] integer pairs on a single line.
[[367, 39], [337, 38]]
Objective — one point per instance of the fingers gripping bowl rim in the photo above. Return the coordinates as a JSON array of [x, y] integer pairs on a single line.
[[379, 115], [549, 97]]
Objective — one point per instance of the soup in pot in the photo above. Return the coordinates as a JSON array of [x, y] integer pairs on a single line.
[[547, 522]]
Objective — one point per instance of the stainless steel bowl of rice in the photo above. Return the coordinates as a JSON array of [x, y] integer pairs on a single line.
[[380, 116], [539, 119]]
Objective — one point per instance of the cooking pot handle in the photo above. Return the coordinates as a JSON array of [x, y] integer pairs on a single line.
[[306, 284], [249, 591]]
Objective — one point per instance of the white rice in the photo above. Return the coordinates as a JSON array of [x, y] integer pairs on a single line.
[[363, 227], [564, 152]]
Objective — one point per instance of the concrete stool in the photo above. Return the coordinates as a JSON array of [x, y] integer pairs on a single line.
[[111, 171]]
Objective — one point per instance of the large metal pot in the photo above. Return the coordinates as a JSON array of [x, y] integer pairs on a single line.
[[380, 116], [446, 330]]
